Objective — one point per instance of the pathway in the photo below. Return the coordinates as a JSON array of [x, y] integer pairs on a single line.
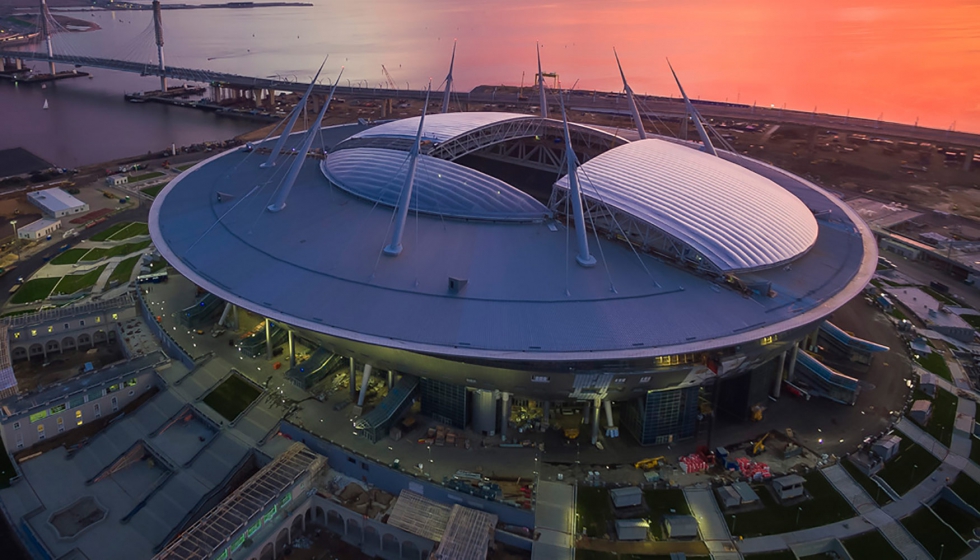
[[711, 523]]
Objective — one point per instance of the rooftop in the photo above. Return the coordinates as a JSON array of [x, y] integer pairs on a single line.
[[927, 308], [34, 227], [54, 200]]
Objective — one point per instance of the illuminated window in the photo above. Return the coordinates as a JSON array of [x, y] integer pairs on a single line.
[[675, 359], [33, 332], [98, 319], [131, 382], [540, 379], [59, 408], [115, 316], [768, 340], [38, 416], [17, 334], [40, 431], [619, 380], [51, 329], [78, 417], [61, 425]]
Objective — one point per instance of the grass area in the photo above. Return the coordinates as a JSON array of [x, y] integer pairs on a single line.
[[6, 468], [593, 511], [871, 545], [912, 465], [186, 167], [145, 176], [943, 298], [934, 535], [825, 506], [71, 256], [870, 486], [77, 282], [132, 230], [897, 313], [966, 488], [117, 251], [109, 232], [664, 502], [943, 415], [154, 190], [20, 312], [232, 396], [123, 270], [974, 320], [34, 290], [935, 363], [961, 521]]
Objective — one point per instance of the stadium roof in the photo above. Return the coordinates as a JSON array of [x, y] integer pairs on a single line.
[[318, 265], [441, 187], [735, 218], [437, 128]]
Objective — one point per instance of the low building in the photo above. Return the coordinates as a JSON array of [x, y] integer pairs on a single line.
[[927, 383], [788, 487], [39, 229], [116, 180], [934, 313], [632, 529], [56, 203], [887, 447], [921, 412], [626, 497], [745, 493], [681, 526], [728, 497]]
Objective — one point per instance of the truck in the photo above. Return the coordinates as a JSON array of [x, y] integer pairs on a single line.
[[939, 287]]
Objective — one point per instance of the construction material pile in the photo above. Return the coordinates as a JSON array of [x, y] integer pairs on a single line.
[[753, 470]]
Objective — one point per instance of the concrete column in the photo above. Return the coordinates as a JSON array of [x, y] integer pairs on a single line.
[[595, 420], [790, 373], [683, 130], [546, 417], [353, 380], [268, 339], [365, 379], [587, 413], [778, 386], [391, 379], [292, 350], [970, 153], [504, 414], [19, 64]]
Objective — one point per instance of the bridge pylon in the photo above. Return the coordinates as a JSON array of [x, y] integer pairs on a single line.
[[158, 30], [42, 19]]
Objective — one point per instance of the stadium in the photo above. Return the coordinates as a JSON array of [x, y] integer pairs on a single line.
[[484, 258]]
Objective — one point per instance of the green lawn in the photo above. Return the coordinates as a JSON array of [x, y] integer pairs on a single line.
[[117, 251], [974, 320], [154, 190], [186, 167], [897, 313], [966, 488], [912, 465], [871, 545], [664, 502], [826, 506], [71, 256], [934, 535], [232, 396], [593, 511], [109, 232], [123, 270], [35, 290], [865, 481], [145, 176], [6, 468], [76, 282], [961, 522], [935, 363], [132, 230], [943, 416]]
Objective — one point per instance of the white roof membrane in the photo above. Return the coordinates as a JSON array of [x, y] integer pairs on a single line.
[[735, 218], [437, 128]]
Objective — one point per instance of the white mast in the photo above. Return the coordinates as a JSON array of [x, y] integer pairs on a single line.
[[541, 91], [394, 248], [584, 258], [46, 32], [449, 81], [292, 120], [158, 30], [708, 147], [293, 173], [632, 100]]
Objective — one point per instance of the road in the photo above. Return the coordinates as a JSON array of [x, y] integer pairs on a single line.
[[924, 273]]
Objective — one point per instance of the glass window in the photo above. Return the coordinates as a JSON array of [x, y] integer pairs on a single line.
[[33, 332], [115, 404], [112, 388], [67, 326], [115, 316], [40, 431], [131, 382], [98, 411], [81, 323], [76, 401], [78, 417], [645, 379], [98, 319], [58, 409], [17, 334], [540, 379], [41, 415], [51, 328], [95, 394]]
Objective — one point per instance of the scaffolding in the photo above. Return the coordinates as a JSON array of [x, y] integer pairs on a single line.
[[468, 535], [253, 504], [419, 516]]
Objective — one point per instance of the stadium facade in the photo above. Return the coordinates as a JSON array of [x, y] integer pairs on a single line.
[[493, 256]]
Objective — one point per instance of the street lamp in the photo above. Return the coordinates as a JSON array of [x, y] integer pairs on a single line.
[[798, 512], [911, 478], [14, 223], [734, 520]]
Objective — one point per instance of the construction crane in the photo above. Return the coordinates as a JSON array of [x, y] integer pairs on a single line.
[[520, 93], [391, 82], [758, 447], [647, 464], [553, 75]]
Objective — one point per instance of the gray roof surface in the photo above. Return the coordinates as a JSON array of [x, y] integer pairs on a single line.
[[437, 128], [318, 265], [38, 225], [440, 187], [737, 219]]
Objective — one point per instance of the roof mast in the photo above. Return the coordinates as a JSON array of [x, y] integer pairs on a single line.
[[632, 100], [394, 248], [541, 88], [293, 172], [449, 81], [271, 162], [708, 147], [584, 258]]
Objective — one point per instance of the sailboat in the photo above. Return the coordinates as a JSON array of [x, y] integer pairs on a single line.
[[45, 104]]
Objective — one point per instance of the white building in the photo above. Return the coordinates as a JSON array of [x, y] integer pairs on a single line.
[[56, 203], [116, 180], [39, 229]]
